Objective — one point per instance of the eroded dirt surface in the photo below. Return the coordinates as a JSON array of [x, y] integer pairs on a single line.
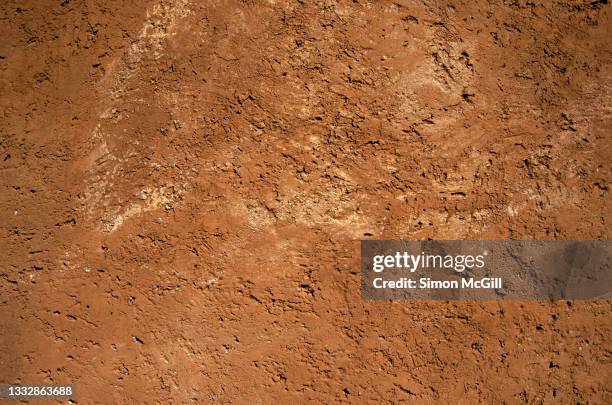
[[185, 184]]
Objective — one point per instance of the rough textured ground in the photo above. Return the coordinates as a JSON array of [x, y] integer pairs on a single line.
[[184, 185]]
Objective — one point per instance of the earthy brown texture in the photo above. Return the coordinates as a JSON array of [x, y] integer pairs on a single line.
[[184, 185]]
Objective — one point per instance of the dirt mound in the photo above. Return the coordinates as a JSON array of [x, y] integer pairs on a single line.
[[185, 184]]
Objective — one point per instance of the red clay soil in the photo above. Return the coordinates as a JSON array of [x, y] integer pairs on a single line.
[[184, 185]]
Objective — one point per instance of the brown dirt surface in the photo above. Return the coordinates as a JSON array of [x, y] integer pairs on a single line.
[[184, 185]]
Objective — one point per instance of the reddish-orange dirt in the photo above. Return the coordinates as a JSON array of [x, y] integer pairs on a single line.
[[184, 185]]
